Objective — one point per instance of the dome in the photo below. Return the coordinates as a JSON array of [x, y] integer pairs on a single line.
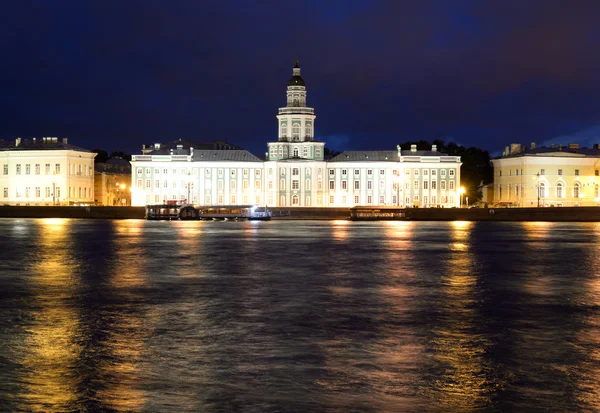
[[296, 79]]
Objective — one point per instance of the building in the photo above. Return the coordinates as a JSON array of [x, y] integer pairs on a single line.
[[46, 171], [547, 176], [295, 172], [112, 182]]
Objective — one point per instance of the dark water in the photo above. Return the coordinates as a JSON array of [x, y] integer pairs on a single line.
[[298, 316]]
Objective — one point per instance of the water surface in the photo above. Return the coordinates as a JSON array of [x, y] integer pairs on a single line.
[[298, 316]]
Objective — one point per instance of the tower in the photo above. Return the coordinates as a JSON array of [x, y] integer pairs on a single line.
[[295, 124]]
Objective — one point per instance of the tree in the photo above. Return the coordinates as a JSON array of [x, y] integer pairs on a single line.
[[330, 153], [121, 155], [101, 156]]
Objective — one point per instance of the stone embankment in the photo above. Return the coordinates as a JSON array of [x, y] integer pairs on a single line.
[[566, 214]]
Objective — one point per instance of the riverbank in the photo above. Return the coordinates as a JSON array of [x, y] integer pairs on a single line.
[[564, 214]]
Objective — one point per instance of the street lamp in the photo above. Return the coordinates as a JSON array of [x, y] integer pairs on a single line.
[[461, 191]]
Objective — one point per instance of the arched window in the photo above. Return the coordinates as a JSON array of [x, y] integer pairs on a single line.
[[296, 103], [559, 190], [576, 190], [295, 200], [296, 152], [307, 131], [542, 190], [283, 130], [296, 131]]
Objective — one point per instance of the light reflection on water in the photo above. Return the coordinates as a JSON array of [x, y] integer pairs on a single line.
[[136, 316]]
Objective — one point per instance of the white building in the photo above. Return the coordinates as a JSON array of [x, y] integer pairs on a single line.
[[294, 172], [46, 171]]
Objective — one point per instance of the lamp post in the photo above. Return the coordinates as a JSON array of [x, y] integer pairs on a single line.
[[461, 191]]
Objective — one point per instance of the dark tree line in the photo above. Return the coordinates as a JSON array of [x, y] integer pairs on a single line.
[[476, 169], [102, 156]]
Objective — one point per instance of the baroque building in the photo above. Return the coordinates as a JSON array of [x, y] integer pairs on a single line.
[[45, 171], [294, 172], [547, 176]]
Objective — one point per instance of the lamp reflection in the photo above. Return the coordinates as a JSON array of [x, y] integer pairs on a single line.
[[458, 347], [53, 347]]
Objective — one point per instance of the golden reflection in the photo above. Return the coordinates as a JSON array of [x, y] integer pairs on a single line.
[[463, 384], [536, 230], [52, 347], [340, 229]]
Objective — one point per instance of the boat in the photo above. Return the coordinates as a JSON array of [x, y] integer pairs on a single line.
[[379, 213], [172, 210]]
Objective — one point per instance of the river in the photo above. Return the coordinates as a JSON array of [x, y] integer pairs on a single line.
[[298, 316]]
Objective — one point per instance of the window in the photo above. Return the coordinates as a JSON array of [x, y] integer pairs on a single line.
[[220, 185], [433, 184], [282, 184], [295, 200], [257, 184], [408, 172], [443, 185], [233, 173], [174, 184], [576, 172], [382, 172], [295, 131], [451, 185], [37, 168], [47, 192], [416, 185], [245, 172], [425, 185], [382, 185], [344, 184], [295, 171], [147, 183], [369, 199], [433, 172], [139, 183], [407, 186], [270, 184], [307, 185], [166, 171], [517, 172], [307, 131], [344, 171], [47, 169], [27, 191], [139, 171], [331, 199], [560, 171], [157, 183], [381, 199], [416, 172], [369, 185], [245, 184], [296, 152], [296, 184], [443, 172], [28, 169], [166, 184], [57, 168], [559, 190], [305, 152], [542, 172], [331, 172], [517, 191], [369, 172], [58, 192], [5, 169], [597, 172], [233, 185], [596, 194], [499, 191], [542, 190], [356, 172], [451, 172], [425, 172], [575, 190], [220, 172], [356, 185], [18, 169], [356, 199], [5, 192], [283, 130], [148, 171], [331, 184], [499, 173]]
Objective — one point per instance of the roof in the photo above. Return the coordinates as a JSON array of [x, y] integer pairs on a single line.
[[225, 155], [368, 156], [39, 144], [182, 146], [556, 152], [296, 79]]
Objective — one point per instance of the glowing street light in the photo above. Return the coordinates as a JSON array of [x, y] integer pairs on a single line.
[[461, 191]]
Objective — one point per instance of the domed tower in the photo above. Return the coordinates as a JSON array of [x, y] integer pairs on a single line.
[[295, 124]]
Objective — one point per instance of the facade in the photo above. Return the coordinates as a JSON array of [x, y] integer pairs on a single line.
[[45, 171], [547, 176], [295, 172], [112, 182]]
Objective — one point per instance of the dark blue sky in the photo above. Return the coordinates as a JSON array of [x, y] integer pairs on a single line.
[[116, 74]]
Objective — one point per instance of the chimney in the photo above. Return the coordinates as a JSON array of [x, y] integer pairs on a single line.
[[433, 148], [532, 145], [65, 141], [17, 142], [413, 147]]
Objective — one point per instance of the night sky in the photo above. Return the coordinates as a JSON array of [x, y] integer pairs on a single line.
[[117, 74]]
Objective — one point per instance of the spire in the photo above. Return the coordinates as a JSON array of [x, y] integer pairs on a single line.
[[296, 79]]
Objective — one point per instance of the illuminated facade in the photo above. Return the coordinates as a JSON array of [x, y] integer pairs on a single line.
[[555, 175], [45, 171], [112, 182], [295, 172]]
